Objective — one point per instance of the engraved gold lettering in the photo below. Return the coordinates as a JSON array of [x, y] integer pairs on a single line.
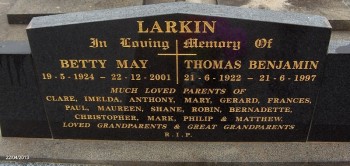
[[184, 27], [212, 64], [239, 100], [202, 126], [166, 109], [206, 109], [156, 28], [141, 30], [96, 43], [259, 127], [283, 65], [160, 90], [197, 27], [131, 126], [197, 99], [76, 108], [258, 119], [263, 43], [60, 98], [198, 118], [105, 117], [134, 64], [106, 99], [195, 43], [120, 108], [124, 90], [203, 91], [161, 118], [83, 64], [170, 27], [211, 27], [152, 100], [260, 109], [289, 100], [75, 125], [180, 27], [129, 43]]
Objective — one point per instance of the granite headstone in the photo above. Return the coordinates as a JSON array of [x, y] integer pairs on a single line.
[[331, 121], [180, 71], [21, 108]]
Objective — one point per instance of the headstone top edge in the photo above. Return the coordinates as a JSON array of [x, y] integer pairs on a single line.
[[14, 47], [179, 8], [339, 47]]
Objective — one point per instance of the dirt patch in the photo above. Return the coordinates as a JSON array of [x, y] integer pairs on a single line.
[[268, 4], [233, 2]]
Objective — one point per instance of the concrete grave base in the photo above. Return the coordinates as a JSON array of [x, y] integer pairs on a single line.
[[111, 152]]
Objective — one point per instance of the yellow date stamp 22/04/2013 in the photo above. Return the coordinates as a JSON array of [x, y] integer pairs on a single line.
[[17, 157]]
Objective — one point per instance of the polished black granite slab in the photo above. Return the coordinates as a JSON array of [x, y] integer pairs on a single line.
[[331, 121], [97, 70], [21, 109]]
